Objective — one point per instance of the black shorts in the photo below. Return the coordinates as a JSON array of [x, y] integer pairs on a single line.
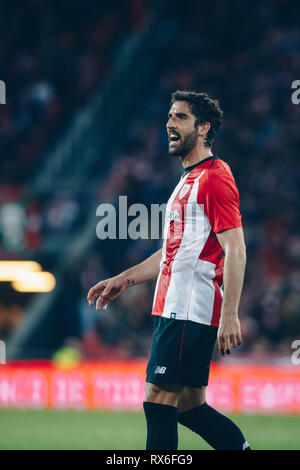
[[181, 352]]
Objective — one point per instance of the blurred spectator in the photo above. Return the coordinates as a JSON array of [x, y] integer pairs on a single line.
[[244, 54]]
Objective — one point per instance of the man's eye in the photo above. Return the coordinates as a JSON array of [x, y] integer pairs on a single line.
[[179, 116]]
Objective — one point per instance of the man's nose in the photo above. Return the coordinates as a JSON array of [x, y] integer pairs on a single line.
[[171, 124]]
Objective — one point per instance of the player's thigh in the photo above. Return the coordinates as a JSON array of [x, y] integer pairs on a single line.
[[163, 393], [191, 398]]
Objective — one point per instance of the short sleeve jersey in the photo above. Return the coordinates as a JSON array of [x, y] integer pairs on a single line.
[[204, 203]]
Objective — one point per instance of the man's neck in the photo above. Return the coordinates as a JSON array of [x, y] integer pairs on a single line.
[[196, 156]]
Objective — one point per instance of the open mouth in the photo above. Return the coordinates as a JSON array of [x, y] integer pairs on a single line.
[[173, 137]]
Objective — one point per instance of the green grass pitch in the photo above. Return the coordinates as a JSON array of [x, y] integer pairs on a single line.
[[27, 429]]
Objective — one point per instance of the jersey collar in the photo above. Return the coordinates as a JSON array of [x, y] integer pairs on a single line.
[[190, 168]]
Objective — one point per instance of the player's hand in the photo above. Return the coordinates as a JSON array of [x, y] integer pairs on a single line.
[[229, 333], [105, 291]]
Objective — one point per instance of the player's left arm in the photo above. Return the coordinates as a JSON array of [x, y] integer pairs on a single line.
[[233, 244]]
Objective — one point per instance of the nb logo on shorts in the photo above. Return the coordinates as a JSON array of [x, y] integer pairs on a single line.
[[160, 370]]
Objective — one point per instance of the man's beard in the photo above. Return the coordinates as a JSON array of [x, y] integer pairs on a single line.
[[185, 146]]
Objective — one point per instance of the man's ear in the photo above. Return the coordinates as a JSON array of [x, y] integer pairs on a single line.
[[203, 129]]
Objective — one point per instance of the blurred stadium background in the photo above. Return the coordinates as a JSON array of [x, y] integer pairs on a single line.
[[88, 84]]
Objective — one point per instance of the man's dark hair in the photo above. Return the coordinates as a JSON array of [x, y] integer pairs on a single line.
[[204, 108]]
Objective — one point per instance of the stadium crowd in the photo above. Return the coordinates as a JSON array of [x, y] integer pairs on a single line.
[[259, 138], [59, 52], [53, 56]]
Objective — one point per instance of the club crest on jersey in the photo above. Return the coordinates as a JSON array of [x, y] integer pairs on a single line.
[[184, 190]]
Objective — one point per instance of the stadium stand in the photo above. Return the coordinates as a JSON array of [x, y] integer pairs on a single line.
[[68, 149]]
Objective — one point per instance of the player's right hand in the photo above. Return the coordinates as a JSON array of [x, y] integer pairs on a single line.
[[105, 291]]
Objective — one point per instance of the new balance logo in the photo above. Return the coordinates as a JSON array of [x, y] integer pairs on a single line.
[[160, 370]]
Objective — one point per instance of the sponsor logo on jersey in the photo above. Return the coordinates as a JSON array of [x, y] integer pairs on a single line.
[[160, 370], [184, 190], [173, 215]]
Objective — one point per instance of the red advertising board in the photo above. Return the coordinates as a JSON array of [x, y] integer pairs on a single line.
[[120, 385]]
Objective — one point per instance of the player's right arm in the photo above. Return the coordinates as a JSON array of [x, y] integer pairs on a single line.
[[109, 289]]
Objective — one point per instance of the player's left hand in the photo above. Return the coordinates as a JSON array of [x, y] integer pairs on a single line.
[[229, 333]]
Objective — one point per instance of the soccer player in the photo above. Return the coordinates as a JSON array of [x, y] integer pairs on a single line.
[[200, 272]]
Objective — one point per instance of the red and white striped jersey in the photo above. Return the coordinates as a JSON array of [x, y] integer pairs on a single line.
[[189, 284]]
